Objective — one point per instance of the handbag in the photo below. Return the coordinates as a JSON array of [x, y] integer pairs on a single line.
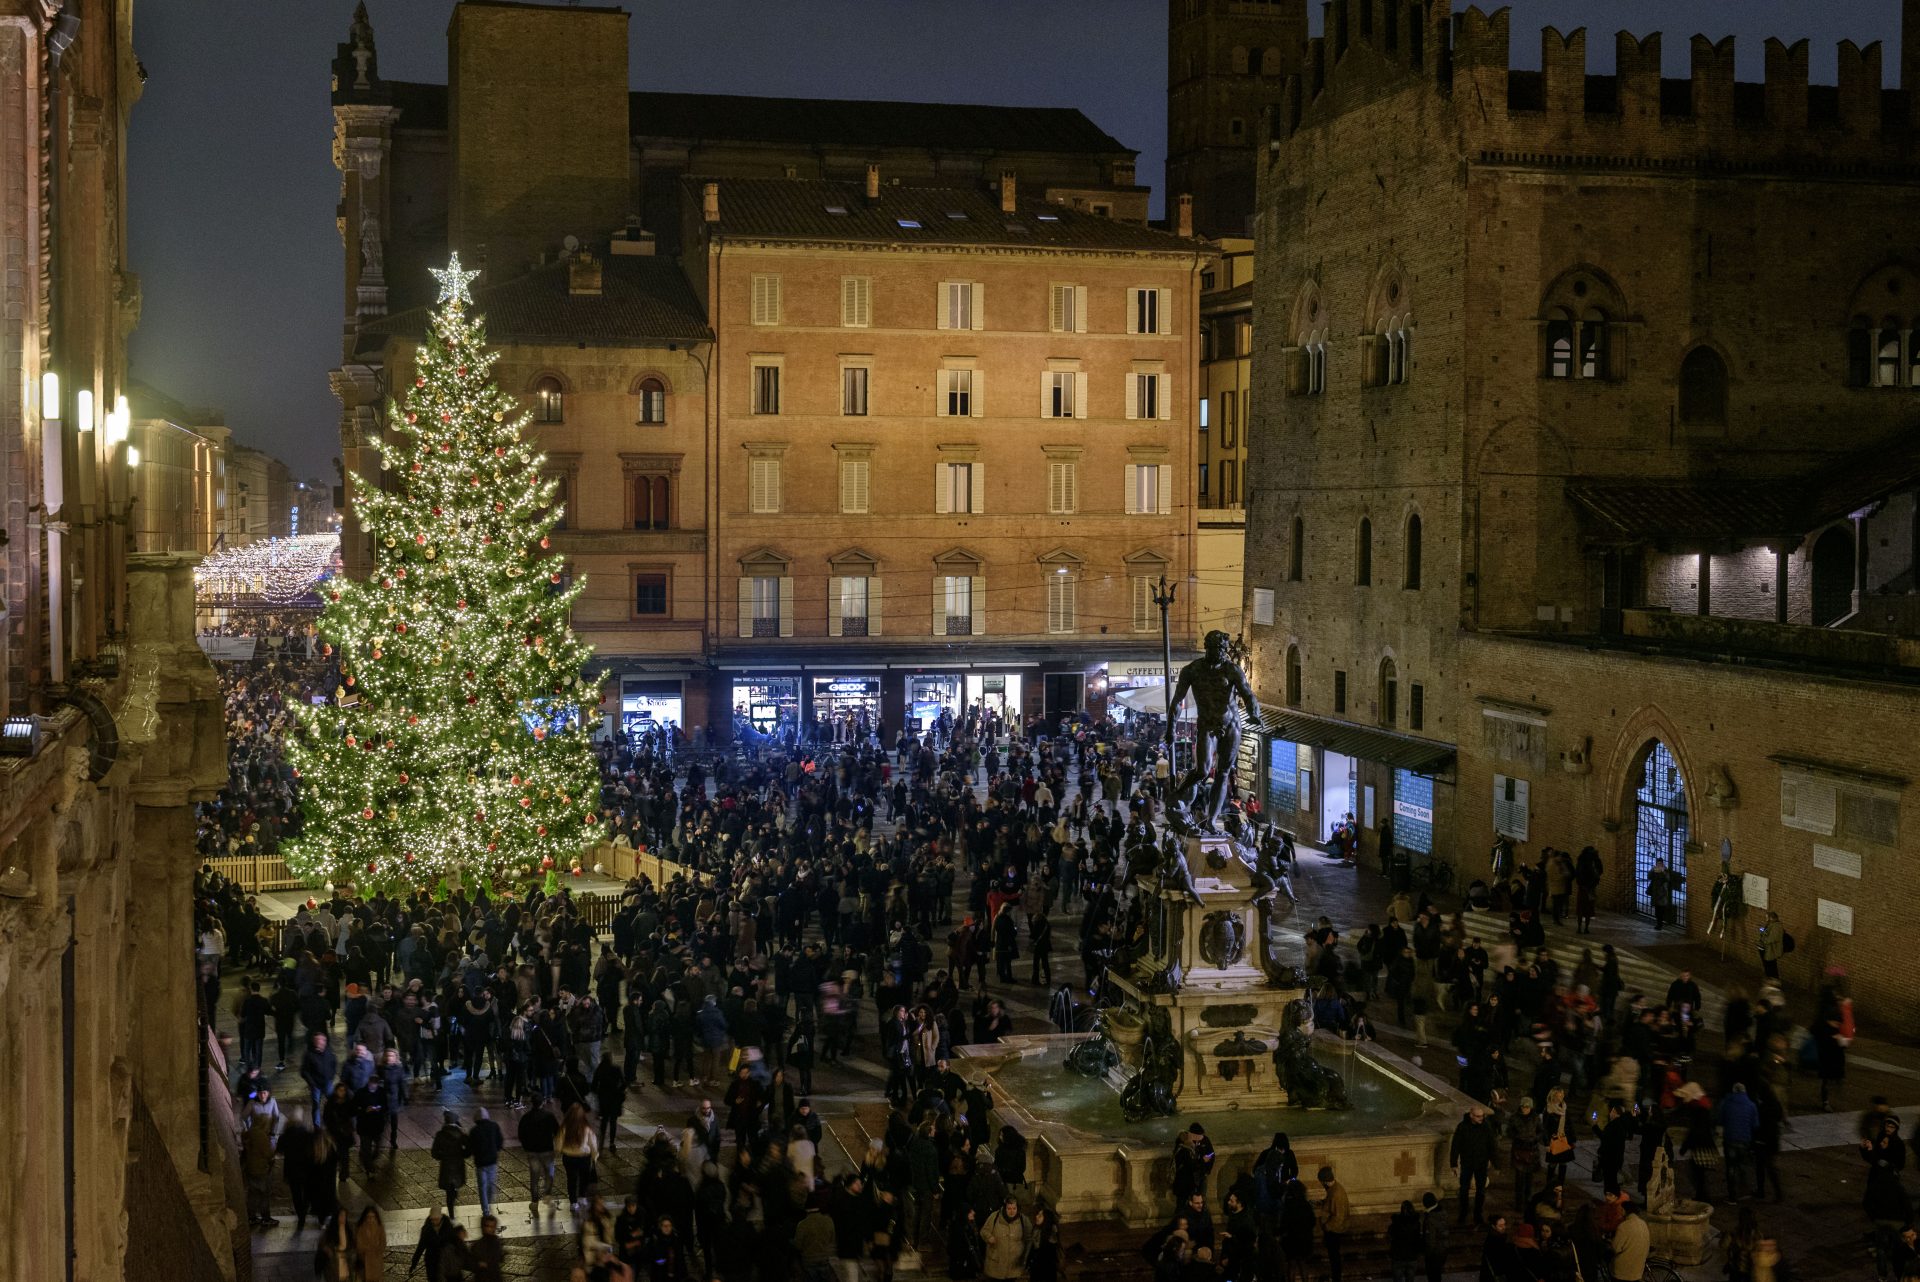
[[1559, 1147]]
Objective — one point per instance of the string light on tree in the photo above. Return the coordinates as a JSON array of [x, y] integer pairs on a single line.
[[456, 743]]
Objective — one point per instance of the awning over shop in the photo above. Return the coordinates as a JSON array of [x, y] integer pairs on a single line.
[[1402, 752]]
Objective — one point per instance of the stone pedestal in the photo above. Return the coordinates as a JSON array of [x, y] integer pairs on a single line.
[[1684, 1235], [1224, 1014]]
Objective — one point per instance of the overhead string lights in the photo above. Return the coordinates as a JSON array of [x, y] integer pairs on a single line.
[[277, 571]]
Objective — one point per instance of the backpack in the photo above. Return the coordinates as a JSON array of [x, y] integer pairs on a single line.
[[1786, 942]]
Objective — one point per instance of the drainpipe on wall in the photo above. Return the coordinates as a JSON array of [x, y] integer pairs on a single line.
[[60, 38]]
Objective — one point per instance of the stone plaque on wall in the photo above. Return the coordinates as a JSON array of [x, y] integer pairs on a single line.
[[1835, 917], [1756, 891], [1833, 859]]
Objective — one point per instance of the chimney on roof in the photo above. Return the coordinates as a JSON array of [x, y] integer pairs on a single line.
[[583, 273], [710, 203], [1910, 46], [1185, 224], [1008, 190], [873, 184]]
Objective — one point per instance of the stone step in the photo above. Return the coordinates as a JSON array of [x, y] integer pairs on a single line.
[[1638, 972]]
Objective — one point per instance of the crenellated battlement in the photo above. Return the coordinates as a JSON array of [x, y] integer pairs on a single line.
[[1635, 113]]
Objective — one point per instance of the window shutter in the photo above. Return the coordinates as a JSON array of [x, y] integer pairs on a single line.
[[1165, 395], [1046, 393], [978, 312], [1070, 487], [746, 606], [873, 606], [1133, 394], [1079, 395], [1079, 309], [1056, 487], [942, 389], [766, 300], [1142, 604], [977, 487], [978, 590], [977, 398], [786, 605], [835, 586], [772, 466], [942, 489], [1165, 473], [1133, 487], [1056, 308], [856, 301], [939, 605], [854, 489], [1133, 311], [940, 297], [1163, 313]]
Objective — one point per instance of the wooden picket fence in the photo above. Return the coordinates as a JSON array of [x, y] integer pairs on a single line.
[[255, 873]]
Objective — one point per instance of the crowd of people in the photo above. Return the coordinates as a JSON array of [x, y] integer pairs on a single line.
[[815, 886]]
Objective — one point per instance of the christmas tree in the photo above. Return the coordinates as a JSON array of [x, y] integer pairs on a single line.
[[456, 741]]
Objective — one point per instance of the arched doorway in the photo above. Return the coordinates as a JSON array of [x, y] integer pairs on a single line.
[[1832, 576], [1659, 826]]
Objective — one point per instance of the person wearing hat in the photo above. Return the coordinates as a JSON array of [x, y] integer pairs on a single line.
[[450, 1151]]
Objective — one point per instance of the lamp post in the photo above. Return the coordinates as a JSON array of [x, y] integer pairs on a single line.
[[1163, 596]]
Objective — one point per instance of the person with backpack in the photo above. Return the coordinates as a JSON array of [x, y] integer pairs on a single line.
[[1406, 1243]]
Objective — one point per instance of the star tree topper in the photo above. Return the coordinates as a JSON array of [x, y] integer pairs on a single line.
[[453, 281]]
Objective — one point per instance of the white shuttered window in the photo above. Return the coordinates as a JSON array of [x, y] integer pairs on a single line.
[[856, 301], [855, 485], [1067, 309], [766, 299], [1063, 487], [962, 304], [1149, 488], [763, 485], [1060, 602]]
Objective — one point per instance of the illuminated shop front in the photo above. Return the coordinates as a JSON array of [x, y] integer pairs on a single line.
[[929, 696], [651, 705], [766, 704]]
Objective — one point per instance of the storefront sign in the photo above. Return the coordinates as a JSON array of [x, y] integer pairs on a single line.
[[1411, 810], [994, 685], [847, 685]]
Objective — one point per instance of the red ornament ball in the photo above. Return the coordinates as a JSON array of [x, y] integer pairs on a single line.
[[420, 381], [371, 866], [403, 779], [499, 507], [412, 417], [541, 830], [328, 649], [413, 720], [409, 856], [546, 861], [525, 802], [401, 628], [539, 732], [420, 539], [352, 742], [546, 542], [366, 814], [461, 371], [461, 605], [553, 578], [416, 467], [436, 511], [446, 447], [472, 699], [446, 417], [499, 451]]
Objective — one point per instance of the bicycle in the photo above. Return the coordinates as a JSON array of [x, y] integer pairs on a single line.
[[1434, 876]]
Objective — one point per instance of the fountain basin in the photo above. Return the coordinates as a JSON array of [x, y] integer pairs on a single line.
[[1089, 1162]]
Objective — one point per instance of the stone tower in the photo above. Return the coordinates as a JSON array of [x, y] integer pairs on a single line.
[[1226, 62]]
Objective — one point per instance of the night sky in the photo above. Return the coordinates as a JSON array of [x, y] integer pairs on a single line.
[[232, 188]]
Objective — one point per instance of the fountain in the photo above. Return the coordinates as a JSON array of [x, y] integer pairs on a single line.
[[1212, 1025], [1205, 1005]]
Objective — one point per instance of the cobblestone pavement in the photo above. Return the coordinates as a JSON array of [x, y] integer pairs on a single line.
[[1820, 1223]]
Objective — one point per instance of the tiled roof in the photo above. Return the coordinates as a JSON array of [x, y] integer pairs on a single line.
[[820, 121], [643, 301], [1698, 513], [814, 209], [830, 122]]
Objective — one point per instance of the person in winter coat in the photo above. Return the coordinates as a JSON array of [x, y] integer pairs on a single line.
[[710, 1027], [1004, 1237], [1886, 1157], [370, 1245], [450, 1151], [1523, 1152], [436, 1234], [963, 1246], [1010, 1157], [1406, 1242], [1470, 1157], [610, 1094], [336, 1258], [484, 1143], [539, 1128]]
